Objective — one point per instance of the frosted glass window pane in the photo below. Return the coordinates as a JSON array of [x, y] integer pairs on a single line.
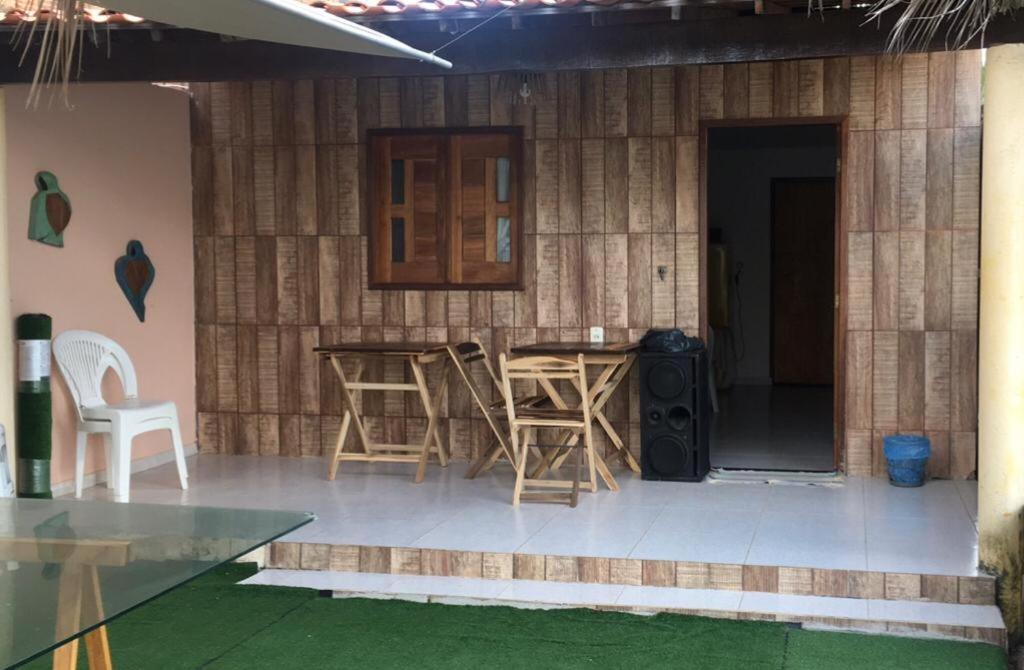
[[502, 179], [504, 240]]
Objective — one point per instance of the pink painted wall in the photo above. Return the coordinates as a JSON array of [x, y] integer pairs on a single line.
[[122, 155]]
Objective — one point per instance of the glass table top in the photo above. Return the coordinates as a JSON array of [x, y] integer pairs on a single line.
[[68, 566]]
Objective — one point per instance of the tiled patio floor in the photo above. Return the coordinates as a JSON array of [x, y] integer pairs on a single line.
[[863, 524]]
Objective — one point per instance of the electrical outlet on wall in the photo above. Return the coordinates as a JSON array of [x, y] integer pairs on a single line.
[[597, 334]]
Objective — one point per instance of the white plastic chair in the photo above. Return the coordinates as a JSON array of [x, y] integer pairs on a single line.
[[83, 358]]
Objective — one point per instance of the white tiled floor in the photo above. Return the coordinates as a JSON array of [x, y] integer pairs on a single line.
[[861, 524], [652, 597]]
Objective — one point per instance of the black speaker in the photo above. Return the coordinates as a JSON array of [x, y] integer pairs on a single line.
[[675, 416]]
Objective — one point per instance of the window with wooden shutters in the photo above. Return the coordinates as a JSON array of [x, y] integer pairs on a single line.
[[445, 208]]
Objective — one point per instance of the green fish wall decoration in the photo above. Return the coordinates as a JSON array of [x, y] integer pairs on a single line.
[[50, 211]]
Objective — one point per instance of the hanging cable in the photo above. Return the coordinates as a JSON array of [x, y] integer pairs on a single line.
[[482, 23]]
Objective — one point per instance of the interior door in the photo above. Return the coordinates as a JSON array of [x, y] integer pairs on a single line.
[[803, 280]]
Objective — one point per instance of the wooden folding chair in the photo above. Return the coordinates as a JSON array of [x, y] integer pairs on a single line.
[[463, 356], [526, 422]]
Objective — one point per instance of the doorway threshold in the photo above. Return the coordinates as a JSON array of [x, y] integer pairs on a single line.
[[786, 477]]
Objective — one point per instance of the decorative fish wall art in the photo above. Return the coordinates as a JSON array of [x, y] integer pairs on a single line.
[[49, 212], [135, 273]]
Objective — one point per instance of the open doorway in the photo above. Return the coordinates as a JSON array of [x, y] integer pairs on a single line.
[[771, 233]]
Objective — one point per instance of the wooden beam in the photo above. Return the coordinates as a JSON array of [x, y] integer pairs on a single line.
[[191, 56]]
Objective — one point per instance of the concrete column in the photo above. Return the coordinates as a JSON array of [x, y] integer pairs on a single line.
[[7, 344], [1001, 330]]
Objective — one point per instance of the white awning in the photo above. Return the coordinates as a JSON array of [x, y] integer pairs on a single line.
[[283, 21]]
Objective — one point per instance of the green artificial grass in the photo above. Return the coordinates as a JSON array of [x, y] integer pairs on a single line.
[[214, 624]]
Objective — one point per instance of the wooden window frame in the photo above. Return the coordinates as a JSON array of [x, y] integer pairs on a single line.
[[446, 209]]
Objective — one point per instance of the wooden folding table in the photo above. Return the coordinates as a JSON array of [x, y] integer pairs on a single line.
[[615, 360], [416, 355]]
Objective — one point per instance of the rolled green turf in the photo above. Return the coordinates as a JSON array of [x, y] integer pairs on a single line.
[[214, 624]]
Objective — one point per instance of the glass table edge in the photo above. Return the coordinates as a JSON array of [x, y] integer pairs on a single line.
[[310, 517]]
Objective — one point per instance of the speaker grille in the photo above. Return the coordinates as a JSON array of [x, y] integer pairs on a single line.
[[666, 380], [668, 456], [674, 416]]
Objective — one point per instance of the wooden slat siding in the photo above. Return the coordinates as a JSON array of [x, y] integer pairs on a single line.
[[688, 282], [592, 103], [282, 112], [245, 279], [964, 280], [478, 99], [546, 152], [248, 434], [911, 380], [227, 372], [227, 433], [266, 279], [304, 112], [305, 190], [967, 178], [326, 108], [262, 113], [308, 258], [346, 117], [287, 280], [617, 272], [937, 380], [810, 87], [941, 89], [569, 187], [663, 112], [327, 190], [736, 91], [547, 280], [220, 113], [858, 379], [712, 92], [862, 93], [836, 83], [967, 103], [785, 89], [367, 105], [911, 280], [687, 99], [349, 279], [964, 382], [616, 112], [456, 101], [939, 190], [938, 462], [202, 190], [200, 127], [938, 267], [290, 436], [593, 285], [393, 308], [416, 308], [526, 300], [639, 185], [248, 369], [860, 284], [432, 100], [914, 91], [223, 199], [616, 185], [887, 180], [858, 453], [285, 209], [546, 117], [242, 215], [760, 96], [264, 206], [288, 364], [411, 111], [207, 431], [570, 281], [639, 280], [205, 280], [309, 370], [206, 368], [390, 102], [663, 290], [663, 185], [888, 93], [638, 101], [687, 175], [348, 189], [592, 185], [885, 380], [569, 111], [963, 455], [266, 343], [858, 171], [224, 263], [913, 178]]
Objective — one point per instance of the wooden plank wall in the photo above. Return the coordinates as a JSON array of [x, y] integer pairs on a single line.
[[611, 194]]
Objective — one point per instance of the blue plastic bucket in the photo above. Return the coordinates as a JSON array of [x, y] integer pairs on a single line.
[[907, 456]]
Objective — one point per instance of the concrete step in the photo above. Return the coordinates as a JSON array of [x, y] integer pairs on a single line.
[[899, 617]]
